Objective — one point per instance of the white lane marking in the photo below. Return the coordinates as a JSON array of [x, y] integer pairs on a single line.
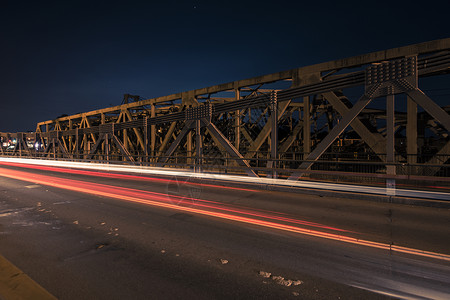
[[11, 212], [7, 214], [33, 186], [62, 202]]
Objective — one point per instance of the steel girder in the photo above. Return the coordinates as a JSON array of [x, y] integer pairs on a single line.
[[313, 114]]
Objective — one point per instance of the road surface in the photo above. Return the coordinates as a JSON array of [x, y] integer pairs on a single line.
[[108, 235]]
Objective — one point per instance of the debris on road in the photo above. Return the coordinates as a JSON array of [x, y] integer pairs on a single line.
[[265, 274], [223, 261], [279, 279], [75, 222], [297, 282]]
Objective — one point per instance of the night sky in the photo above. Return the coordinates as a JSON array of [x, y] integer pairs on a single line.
[[66, 57]]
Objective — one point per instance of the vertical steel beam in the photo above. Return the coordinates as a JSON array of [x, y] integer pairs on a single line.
[[77, 142], [54, 147], [71, 138], [126, 146], [390, 143], [152, 132], [103, 121], [189, 148], [85, 145], [198, 146], [300, 79], [274, 133], [390, 126], [47, 139], [306, 126], [237, 122], [411, 131], [146, 139], [107, 137]]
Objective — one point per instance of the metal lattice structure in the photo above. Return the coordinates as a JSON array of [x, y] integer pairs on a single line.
[[300, 122]]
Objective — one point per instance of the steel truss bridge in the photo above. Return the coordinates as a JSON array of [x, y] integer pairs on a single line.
[[360, 119]]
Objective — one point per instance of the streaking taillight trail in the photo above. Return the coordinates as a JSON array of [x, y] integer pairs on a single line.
[[233, 179], [119, 176], [213, 209]]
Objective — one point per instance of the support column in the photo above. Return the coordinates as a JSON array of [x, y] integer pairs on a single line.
[[103, 121], [106, 147], [70, 137], [47, 139], [274, 133], [152, 132], [299, 79], [390, 144], [411, 131], [86, 146], [146, 139], [237, 122], [77, 143], [198, 147], [54, 146], [306, 127], [189, 148], [124, 132], [125, 141]]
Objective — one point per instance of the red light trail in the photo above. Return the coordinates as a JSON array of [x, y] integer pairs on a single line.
[[119, 176], [260, 182], [211, 208]]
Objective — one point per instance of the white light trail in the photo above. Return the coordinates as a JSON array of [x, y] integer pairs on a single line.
[[235, 178]]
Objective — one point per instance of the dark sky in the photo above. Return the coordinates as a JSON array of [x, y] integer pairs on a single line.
[[65, 57]]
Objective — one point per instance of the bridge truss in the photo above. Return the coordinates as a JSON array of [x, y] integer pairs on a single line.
[[360, 118]]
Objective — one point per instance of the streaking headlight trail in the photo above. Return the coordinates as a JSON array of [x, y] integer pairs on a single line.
[[218, 210]]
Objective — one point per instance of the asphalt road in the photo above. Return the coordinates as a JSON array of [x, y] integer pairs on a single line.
[[80, 243]]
